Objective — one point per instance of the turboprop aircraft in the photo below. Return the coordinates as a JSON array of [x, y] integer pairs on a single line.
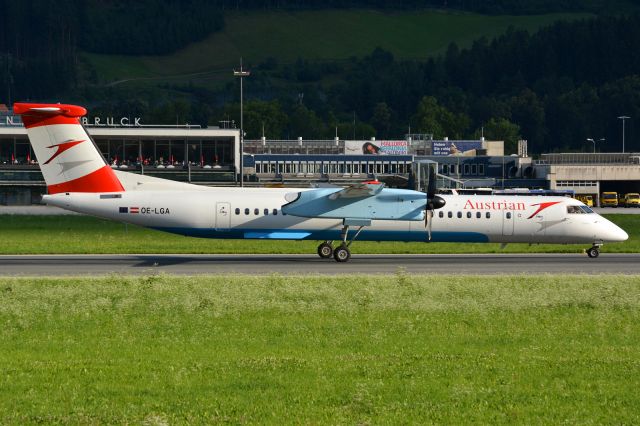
[[79, 179]]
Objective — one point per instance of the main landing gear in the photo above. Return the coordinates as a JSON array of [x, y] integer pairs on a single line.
[[341, 253], [594, 251], [325, 250]]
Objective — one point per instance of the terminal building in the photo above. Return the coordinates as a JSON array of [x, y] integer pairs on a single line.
[[211, 156]]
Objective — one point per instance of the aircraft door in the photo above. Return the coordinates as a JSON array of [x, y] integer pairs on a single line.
[[223, 216], [507, 222]]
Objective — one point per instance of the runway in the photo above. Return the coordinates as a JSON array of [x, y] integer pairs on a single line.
[[79, 265]]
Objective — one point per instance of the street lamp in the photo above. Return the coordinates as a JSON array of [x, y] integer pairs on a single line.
[[242, 74], [623, 118], [594, 142]]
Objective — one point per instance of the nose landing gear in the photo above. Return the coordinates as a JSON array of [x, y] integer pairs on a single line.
[[594, 251]]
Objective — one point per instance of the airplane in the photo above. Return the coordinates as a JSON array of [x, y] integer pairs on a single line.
[[79, 179]]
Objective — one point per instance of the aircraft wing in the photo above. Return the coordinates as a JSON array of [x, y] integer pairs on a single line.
[[367, 200], [359, 190]]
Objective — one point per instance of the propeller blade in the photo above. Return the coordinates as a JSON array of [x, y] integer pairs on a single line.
[[426, 216], [432, 201]]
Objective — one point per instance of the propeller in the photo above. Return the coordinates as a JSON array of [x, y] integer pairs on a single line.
[[433, 201]]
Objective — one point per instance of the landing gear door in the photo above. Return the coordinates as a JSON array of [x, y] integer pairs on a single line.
[[223, 216]]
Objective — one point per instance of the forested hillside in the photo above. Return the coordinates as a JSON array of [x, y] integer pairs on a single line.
[[40, 40], [508, 7], [554, 87]]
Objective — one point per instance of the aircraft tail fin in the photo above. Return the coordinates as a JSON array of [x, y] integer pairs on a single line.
[[69, 159]]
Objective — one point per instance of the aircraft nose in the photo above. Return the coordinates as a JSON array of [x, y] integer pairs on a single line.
[[616, 234]]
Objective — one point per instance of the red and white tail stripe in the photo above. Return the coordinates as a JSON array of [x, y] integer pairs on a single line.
[[69, 160]]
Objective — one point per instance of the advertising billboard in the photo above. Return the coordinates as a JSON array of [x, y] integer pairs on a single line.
[[376, 147], [454, 147]]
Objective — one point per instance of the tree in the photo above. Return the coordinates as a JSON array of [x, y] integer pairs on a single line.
[[527, 110], [433, 118], [259, 115], [381, 119], [305, 123], [501, 129], [357, 130]]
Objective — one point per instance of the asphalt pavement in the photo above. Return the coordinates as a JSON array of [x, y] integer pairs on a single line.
[[495, 264]]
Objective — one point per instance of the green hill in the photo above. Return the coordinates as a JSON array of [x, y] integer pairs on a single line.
[[313, 35]]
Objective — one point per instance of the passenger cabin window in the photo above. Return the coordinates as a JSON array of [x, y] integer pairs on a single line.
[[275, 212], [468, 215], [450, 215], [508, 215], [459, 215], [488, 215], [246, 211], [441, 214], [256, 212], [478, 215], [266, 212], [237, 211]]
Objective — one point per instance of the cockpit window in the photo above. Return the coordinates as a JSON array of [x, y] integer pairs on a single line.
[[574, 210], [586, 209]]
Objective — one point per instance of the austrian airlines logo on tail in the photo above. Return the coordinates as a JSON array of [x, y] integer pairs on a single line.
[[62, 147], [72, 166]]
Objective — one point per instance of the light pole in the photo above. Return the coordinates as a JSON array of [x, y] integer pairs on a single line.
[[593, 141], [242, 74], [623, 118]]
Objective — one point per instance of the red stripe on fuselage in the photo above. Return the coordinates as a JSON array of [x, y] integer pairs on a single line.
[[102, 180]]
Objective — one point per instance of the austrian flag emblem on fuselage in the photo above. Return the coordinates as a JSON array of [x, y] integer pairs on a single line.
[[62, 147]]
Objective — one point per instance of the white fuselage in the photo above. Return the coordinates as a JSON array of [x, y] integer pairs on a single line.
[[255, 213]]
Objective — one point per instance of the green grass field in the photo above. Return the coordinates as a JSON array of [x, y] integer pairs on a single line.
[[82, 234], [313, 35], [317, 350]]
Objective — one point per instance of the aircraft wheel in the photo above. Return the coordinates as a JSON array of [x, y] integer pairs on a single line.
[[325, 250], [341, 254], [593, 252]]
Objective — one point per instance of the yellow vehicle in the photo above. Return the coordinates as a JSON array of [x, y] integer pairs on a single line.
[[632, 199], [586, 199], [609, 199]]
